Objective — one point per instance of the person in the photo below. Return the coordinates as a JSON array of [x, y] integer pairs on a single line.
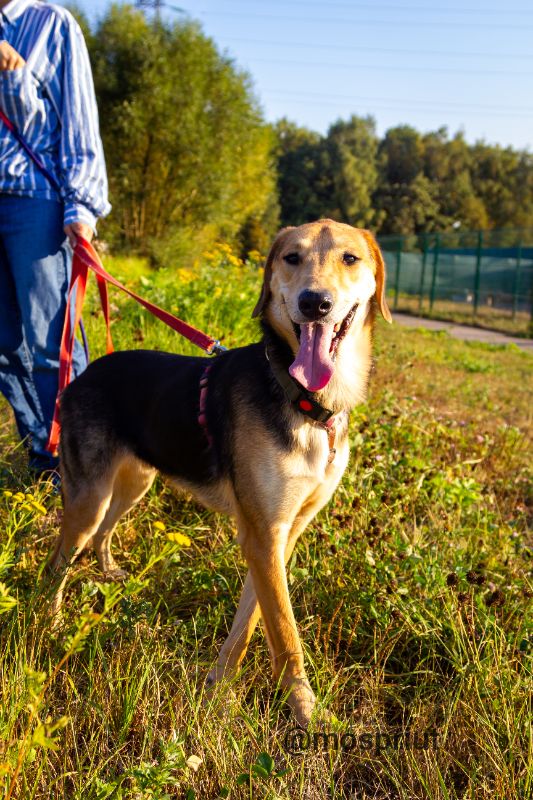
[[47, 93]]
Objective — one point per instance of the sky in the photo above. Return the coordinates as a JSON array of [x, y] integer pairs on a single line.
[[426, 63]]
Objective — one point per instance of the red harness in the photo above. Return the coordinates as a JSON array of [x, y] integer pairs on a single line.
[[300, 399], [202, 413]]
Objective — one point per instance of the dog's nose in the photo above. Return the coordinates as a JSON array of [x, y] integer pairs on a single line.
[[314, 305]]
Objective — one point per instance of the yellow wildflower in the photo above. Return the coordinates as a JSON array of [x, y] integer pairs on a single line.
[[179, 538], [160, 526], [186, 275]]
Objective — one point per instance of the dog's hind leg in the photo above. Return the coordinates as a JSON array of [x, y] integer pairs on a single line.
[[234, 648], [83, 512], [132, 480]]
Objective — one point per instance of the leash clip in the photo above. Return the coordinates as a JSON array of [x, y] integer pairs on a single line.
[[218, 349]]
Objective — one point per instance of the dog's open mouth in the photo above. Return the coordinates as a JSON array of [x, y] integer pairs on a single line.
[[314, 362]]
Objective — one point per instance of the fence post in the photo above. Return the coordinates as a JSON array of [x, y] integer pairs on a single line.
[[423, 271], [434, 275], [530, 332], [397, 275], [478, 270], [516, 277]]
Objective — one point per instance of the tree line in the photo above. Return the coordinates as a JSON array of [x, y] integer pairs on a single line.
[[192, 161], [405, 183]]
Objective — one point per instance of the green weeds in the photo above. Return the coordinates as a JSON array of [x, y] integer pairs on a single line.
[[412, 590]]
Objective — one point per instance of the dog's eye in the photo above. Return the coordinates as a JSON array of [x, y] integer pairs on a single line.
[[292, 258], [350, 259]]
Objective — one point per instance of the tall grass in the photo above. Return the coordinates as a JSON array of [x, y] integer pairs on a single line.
[[412, 591]]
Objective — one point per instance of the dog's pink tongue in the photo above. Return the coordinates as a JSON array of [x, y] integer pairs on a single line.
[[313, 366]]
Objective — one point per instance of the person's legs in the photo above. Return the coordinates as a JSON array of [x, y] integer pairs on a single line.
[[15, 361], [37, 260]]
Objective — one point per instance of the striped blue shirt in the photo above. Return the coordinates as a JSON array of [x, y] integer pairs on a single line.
[[52, 103]]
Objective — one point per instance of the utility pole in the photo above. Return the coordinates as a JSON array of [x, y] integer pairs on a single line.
[[155, 4]]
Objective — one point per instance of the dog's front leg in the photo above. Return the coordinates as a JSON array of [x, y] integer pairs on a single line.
[[248, 613], [264, 551], [244, 624]]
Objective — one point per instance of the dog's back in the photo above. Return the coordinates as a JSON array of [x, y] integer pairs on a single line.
[[143, 402]]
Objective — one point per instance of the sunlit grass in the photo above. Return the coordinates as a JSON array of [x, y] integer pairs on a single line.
[[519, 323], [412, 592]]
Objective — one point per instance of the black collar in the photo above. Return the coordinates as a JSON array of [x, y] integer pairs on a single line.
[[302, 400]]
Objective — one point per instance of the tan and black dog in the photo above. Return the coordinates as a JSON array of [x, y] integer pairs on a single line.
[[261, 434]]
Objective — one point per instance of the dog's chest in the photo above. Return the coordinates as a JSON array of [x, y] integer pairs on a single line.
[[317, 454]]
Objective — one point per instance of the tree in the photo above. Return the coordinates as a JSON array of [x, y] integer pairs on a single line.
[[503, 177], [302, 173], [352, 150], [401, 155], [448, 165], [406, 198], [189, 157]]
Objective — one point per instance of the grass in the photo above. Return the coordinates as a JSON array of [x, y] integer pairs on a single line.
[[487, 317], [412, 591]]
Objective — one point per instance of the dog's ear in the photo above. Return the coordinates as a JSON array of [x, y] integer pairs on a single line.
[[379, 262], [265, 290]]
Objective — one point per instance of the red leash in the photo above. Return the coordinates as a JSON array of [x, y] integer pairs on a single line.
[[86, 258]]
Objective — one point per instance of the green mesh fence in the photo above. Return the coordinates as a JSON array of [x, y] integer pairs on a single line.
[[485, 277]]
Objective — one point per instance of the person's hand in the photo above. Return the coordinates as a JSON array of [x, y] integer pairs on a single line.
[[76, 229], [9, 58]]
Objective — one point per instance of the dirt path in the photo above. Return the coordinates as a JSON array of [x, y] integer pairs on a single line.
[[465, 332]]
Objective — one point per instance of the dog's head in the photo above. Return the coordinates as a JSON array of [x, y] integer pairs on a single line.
[[319, 282]]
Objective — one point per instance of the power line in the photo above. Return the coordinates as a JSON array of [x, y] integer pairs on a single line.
[[372, 107], [439, 103], [392, 67], [417, 9], [361, 22], [391, 50]]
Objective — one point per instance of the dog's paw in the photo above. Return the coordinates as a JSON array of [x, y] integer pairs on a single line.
[[218, 675], [116, 575], [219, 697], [302, 701], [321, 716], [56, 620]]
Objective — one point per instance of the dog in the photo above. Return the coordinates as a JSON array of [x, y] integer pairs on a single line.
[[260, 432]]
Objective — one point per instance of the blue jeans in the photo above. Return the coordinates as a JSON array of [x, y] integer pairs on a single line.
[[35, 264]]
